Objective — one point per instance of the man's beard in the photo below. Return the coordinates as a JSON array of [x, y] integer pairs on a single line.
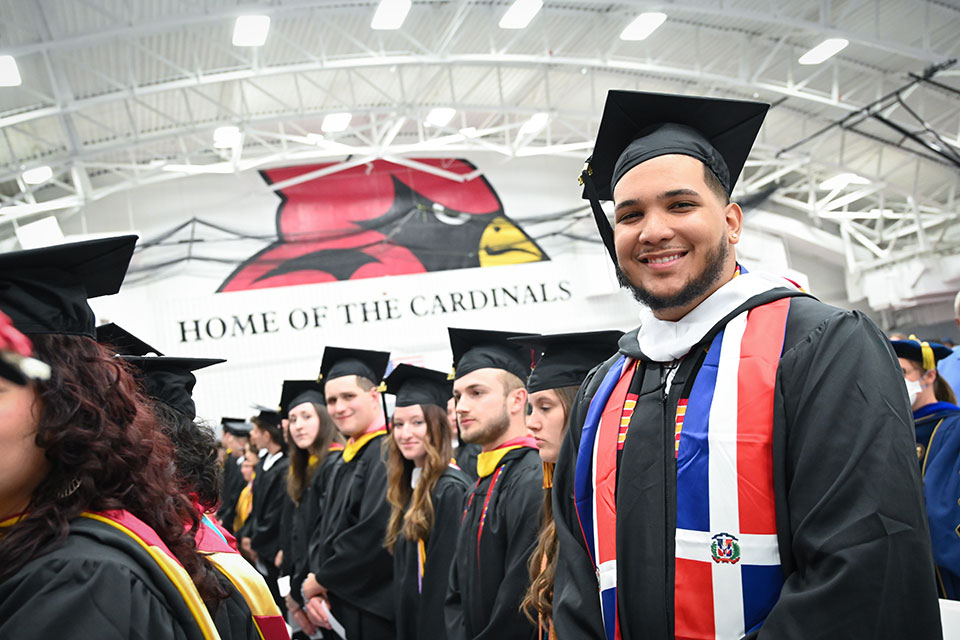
[[489, 432], [694, 289]]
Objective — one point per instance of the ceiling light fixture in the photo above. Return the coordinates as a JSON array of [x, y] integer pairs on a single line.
[[643, 26], [335, 122], [37, 175], [824, 51], [226, 137], [9, 73], [251, 31], [440, 116], [520, 13], [534, 125], [841, 180], [390, 15]]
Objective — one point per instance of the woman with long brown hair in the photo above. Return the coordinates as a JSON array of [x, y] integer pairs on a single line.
[[92, 539], [564, 362], [315, 446], [426, 496]]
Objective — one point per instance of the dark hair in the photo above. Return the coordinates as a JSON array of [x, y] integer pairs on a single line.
[[95, 427], [305, 462], [942, 390], [539, 597], [276, 433], [713, 182], [195, 456], [417, 522]]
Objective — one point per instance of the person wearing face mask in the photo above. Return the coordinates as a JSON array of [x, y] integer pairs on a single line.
[[565, 359], [426, 495], [938, 451]]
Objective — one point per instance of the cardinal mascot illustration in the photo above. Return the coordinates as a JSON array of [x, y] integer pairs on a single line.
[[383, 219]]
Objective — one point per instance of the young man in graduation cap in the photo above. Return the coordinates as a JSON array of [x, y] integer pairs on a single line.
[[262, 531], [766, 484], [355, 570], [937, 424], [499, 528], [236, 435]]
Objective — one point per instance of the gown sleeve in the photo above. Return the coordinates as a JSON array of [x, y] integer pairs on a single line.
[[453, 606], [576, 600], [441, 548], [941, 488], [859, 559], [83, 600], [358, 568], [266, 531]]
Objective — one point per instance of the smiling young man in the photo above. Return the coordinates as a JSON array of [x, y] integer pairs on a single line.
[[744, 466], [354, 568], [499, 526]]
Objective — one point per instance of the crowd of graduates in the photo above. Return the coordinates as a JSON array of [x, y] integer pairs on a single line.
[[743, 464]]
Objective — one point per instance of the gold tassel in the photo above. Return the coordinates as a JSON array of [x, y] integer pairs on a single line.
[[548, 475]]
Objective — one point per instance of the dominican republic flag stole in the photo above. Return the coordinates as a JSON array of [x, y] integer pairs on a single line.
[[728, 574]]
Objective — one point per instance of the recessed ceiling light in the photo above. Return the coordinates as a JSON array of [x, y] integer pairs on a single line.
[[520, 13], [390, 15], [335, 122], [251, 31], [823, 51], [841, 180], [9, 73], [440, 116], [535, 124], [226, 137], [37, 175], [643, 26]]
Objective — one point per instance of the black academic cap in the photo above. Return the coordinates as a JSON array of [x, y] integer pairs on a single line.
[[566, 358], [46, 290], [236, 426], [481, 349], [171, 380], [297, 392], [926, 353], [416, 385], [338, 362], [123, 341], [267, 415], [637, 126]]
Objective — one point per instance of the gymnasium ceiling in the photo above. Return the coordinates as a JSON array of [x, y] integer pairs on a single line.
[[121, 93]]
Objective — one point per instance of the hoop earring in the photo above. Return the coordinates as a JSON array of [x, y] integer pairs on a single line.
[[70, 489]]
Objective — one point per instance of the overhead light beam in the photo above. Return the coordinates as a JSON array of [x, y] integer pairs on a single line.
[[440, 116], [824, 51], [251, 31], [390, 15], [642, 26], [336, 122], [9, 73], [520, 13]]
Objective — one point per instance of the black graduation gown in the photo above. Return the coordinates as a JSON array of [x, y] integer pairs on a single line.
[[488, 581], [466, 457], [419, 608], [853, 540], [98, 585], [233, 484], [306, 524], [353, 565], [266, 513]]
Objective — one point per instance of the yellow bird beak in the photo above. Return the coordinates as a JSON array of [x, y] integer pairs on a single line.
[[503, 242]]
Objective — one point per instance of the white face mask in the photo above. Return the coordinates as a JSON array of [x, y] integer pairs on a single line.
[[913, 389]]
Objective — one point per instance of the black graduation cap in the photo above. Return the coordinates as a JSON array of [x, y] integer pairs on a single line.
[[416, 385], [297, 392], [926, 353], [481, 349], [267, 415], [46, 290], [566, 358], [170, 380], [123, 341], [637, 126], [338, 362], [236, 426]]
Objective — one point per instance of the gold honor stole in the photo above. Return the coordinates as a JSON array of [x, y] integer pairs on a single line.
[[147, 539], [355, 445]]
